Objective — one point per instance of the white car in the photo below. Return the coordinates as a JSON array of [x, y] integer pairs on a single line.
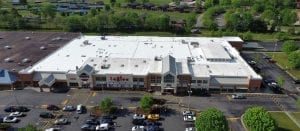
[[190, 129], [62, 121], [10, 119], [102, 127], [138, 128], [16, 114], [53, 129], [139, 116], [238, 96], [189, 118], [188, 112]]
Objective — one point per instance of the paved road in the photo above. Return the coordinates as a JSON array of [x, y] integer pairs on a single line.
[[270, 70], [270, 46]]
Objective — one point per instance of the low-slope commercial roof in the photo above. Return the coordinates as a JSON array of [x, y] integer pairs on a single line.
[[142, 55]]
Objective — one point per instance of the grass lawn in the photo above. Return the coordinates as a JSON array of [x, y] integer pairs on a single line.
[[282, 60], [297, 116], [284, 122]]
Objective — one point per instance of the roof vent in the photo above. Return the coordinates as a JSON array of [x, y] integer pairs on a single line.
[[184, 42], [43, 48], [144, 61], [26, 60], [7, 47], [27, 38], [8, 60], [103, 38], [92, 60], [136, 65], [83, 55], [67, 55], [122, 65]]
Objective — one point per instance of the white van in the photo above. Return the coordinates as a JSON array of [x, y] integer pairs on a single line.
[[79, 109]]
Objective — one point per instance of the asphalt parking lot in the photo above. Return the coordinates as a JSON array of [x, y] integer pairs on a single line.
[[271, 71], [37, 101]]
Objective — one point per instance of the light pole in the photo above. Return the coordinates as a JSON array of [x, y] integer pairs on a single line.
[[190, 92]]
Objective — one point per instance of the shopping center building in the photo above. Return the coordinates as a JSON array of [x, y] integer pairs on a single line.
[[164, 64]]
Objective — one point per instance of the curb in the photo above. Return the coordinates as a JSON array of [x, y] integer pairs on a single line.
[[243, 124]]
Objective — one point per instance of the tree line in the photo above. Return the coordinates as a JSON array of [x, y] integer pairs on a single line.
[[250, 15], [106, 20]]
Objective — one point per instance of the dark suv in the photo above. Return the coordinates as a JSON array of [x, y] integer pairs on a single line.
[[46, 115]]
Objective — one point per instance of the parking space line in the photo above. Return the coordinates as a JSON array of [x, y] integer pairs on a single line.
[[94, 94], [65, 102], [87, 98]]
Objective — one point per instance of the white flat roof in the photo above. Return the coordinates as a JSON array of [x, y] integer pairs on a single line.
[[133, 50]]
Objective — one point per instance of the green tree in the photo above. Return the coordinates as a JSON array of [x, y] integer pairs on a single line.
[[163, 21], [282, 36], [23, 2], [294, 59], [257, 118], [236, 3], [146, 102], [289, 46], [106, 104], [191, 21], [288, 17], [107, 8], [74, 23], [130, 1], [248, 36], [48, 11], [211, 120], [225, 2], [208, 3], [289, 3], [29, 127], [280, 81], [112, 2], [144, 1]]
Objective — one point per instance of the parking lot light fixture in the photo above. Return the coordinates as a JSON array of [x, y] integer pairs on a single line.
[[189, 92]]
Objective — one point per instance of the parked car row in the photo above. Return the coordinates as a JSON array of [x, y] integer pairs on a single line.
[[143, 122], [102, 124], [189, 116], [15, 113], [272, 85]]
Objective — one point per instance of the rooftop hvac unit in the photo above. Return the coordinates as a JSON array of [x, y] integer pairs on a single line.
[[184, 42], [7, 47], [195, 44], [190, 59], [8, 60], [43, 48], [157, 58], [86, 42], [26, 60], [105, 66]]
